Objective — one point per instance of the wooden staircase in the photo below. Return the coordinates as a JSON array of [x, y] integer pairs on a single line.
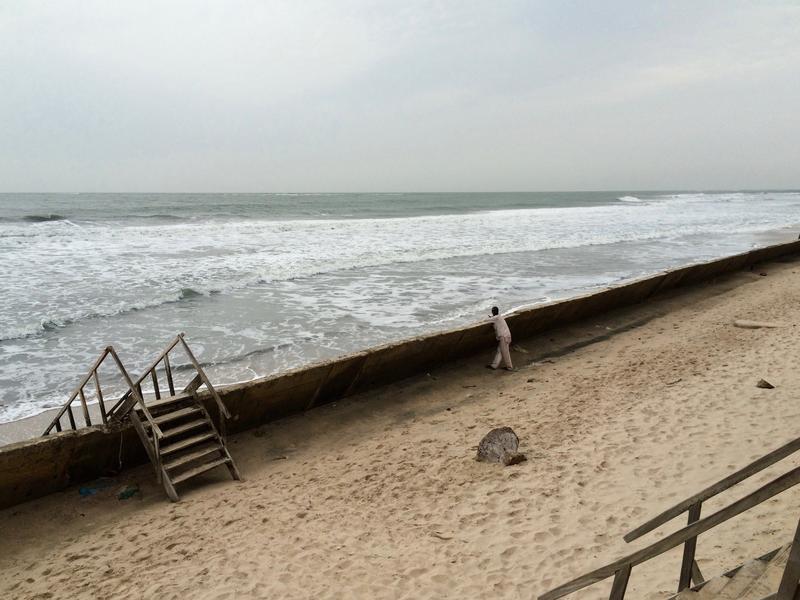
[[775, 576], [176, 429], [181, 440], [754, 580]]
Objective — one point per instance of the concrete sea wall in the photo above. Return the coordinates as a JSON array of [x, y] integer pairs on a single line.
[[39, 466]]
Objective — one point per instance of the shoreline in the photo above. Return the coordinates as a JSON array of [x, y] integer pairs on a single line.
[[32, 426], [637, 408]]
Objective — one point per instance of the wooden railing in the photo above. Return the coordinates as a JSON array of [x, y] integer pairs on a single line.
[[127, 402], [80, 393], [621, 569], [689, 570], [134, 394]]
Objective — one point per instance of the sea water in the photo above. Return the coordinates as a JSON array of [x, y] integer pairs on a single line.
[[264, 282]]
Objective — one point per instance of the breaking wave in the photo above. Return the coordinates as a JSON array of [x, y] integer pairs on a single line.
[[43, 218], [53, 324]]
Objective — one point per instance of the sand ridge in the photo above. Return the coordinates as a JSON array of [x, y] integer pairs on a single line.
[[379, 496]]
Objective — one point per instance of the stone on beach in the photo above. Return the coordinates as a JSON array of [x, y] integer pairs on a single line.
[[500, 445], [763, 383]]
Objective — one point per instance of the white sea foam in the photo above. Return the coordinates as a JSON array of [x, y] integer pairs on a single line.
[[66, 274], [258, 295]]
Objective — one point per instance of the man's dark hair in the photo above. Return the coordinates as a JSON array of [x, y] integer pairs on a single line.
[[495, 311]]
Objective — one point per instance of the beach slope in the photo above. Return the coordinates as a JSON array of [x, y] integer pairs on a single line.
[[379, 495]]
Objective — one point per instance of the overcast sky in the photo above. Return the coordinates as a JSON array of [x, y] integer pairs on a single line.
[[329, 95]]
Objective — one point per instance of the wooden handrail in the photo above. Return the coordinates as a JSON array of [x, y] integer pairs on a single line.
[[220, 404], [133, 389], [144, 375], [79, 391], [774, 487], [751, 469], [133, 395]]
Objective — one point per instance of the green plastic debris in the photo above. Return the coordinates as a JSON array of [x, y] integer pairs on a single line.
[[128, 491]]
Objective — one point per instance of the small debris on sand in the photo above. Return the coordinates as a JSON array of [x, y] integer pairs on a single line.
[[763, 383], [745, 324], [128, 491]]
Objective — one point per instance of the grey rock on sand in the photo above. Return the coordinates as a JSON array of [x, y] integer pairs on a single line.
[[763, 383], [500, 445]]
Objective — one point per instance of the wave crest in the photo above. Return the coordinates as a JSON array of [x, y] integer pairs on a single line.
[[43, 218], [53, 324]]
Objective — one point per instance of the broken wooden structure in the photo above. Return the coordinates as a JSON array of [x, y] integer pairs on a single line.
[[773, 576], [177, 431]]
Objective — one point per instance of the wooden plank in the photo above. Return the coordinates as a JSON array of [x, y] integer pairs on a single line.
[[137, 399], [177, 414], [220, 404], [774, 487], [100, 400], [185, 427], [168, 487], [685, 577], [192, 456], [155, 384], [146, 442], [193, 385], [88, 375], [198, 470], [71, 417], [620, 583], [168, 370], [720, 486], [697, 575], [188, 442], [791, 574], [86, 416], [167, 401], [56, 420]]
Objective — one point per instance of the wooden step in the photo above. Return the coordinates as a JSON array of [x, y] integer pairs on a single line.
[[201, 469], [168, 433], [177, 414], [192, 456], [712, 588], [741, 580], [164, 401], [187, 443], [770, 579]]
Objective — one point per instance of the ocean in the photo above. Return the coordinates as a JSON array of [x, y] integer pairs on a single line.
[[265, 282]]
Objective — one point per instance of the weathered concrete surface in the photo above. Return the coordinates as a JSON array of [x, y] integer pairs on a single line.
[[36, 467], [43, 465]]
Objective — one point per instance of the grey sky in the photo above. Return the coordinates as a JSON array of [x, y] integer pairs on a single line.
[[240, 95]]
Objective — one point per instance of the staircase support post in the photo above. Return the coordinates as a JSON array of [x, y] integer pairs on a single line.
[[685, 578], [620, 583], [791, 574]]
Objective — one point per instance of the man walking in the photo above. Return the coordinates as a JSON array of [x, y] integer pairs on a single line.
[[503, 335]]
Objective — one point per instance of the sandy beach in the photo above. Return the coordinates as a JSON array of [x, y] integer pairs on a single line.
[[379, 496]]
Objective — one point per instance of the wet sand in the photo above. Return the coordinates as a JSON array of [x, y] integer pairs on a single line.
[[379, 496]]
